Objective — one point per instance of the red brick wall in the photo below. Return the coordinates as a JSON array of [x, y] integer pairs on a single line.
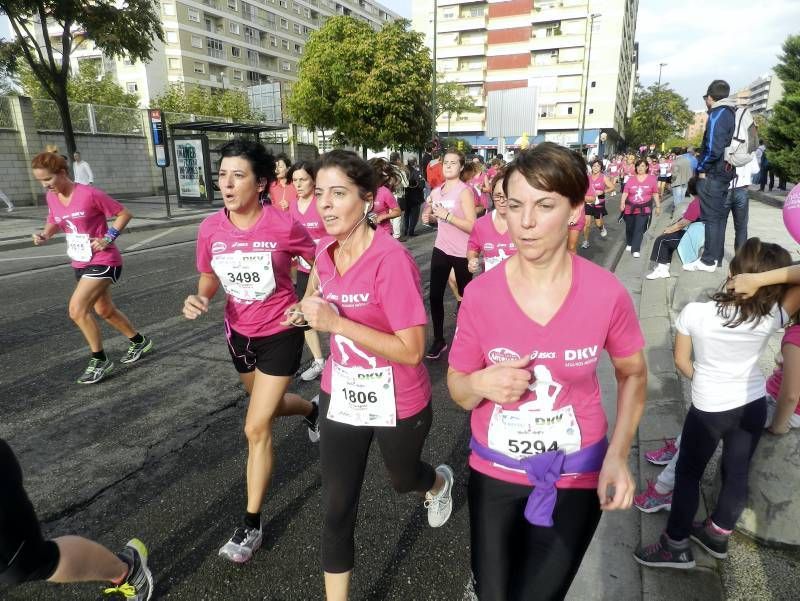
[[510, 8], [509, 61], [490, 86], [506, 36]]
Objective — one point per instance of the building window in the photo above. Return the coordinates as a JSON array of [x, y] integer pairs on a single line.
[[234, 27], [193, 15], [273, 41], [284, 24], [132, 87], [252, 58], [286, 65], [174, 64], [547, 110], [236, 52], [172, 37], [169, 9], [594, 84], [199, 67], [197, 41], [237, 75], [215, 48], [591, 111], [298, 48], [569, 110], [296, 28], [252, 36], [285, 44], [233, 4], [449, 13], [283, 3]]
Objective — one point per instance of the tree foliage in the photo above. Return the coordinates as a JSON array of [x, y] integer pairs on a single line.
[[452, 99], [87, 86], [117, 29], [370, 87], [782, 133], [229, 103], [659, 113]]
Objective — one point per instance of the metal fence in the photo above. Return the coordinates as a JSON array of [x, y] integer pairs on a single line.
[[88, 118], [117, 120], [46, 116], [6, 119]]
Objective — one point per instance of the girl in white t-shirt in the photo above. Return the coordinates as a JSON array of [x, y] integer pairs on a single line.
[[728, 335]]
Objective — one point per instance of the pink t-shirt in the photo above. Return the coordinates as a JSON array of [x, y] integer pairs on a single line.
[[614, 169], [310, 220], [449, 239], [381, 290], [384, 201], [279, 192], [628, 171], [88, 212], [581, 222], [597, 314], [481, 197], [640, 195], [652, 169], [487, 241], [598, 184], [692, 212], [791, 336], [277, 234]]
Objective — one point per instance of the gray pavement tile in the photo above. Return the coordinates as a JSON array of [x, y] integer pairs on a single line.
[[657, 331]]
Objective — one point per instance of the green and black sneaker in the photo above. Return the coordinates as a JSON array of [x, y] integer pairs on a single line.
[[95, 371], [135, 351]]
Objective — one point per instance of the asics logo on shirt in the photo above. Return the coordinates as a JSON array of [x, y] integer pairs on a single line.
[[240, 245], [542, 355], [270, 245], [580, 354]]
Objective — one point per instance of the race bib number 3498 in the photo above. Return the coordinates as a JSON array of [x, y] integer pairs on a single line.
[[245, 276]]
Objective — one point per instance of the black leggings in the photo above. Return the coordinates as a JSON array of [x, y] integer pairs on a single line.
[[740, 430], [635, 227], [513, 560], [344, 450], [665, 245], [25, 555], [441, 264]]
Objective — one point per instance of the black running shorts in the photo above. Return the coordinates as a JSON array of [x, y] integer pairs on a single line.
[[99, 272], [276, 355], [25, 555]]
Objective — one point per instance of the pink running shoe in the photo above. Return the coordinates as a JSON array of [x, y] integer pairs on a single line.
[[651, 500], [663, 455]]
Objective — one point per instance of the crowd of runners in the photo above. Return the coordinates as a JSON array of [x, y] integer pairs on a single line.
[[311, 248]]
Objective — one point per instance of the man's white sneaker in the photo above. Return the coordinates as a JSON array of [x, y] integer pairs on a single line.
[[440, 505], [661, 271], [627, 249], [313, 372], [585, 244], [603, 232], [636, 255], [698, 265]]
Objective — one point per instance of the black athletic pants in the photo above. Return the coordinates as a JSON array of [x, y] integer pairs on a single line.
[[410, 219], [513, 560], [441, 264], [25, 555], [739, 430], [665, 245], [635, 227], [344, 450]]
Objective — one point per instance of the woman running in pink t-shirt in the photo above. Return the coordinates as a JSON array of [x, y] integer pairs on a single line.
[[385, 207], [281, 190], [81, 212], [490, 237], [638, 196], [524, 362], [247, 249], [367, 296], [596, 208]]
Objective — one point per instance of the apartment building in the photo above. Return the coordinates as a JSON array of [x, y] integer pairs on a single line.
[[221, 44], [763, 94], [555, 46]]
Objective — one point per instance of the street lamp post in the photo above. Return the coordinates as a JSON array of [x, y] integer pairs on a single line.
[[592, 17], [658, 90], [433, 84]]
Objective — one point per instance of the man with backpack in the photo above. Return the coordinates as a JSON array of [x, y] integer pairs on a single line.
[[715, 172]]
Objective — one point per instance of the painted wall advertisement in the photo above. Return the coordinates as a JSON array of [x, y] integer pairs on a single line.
[[190, 165]]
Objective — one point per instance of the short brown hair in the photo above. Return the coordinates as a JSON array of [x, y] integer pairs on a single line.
[[754, 256], [552, 168], [50, 161], [498, 177]]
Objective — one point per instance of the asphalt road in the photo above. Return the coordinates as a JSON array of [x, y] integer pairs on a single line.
[[158, 451]]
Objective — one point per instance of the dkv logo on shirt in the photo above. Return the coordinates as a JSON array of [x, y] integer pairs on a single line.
[[359, 298], [581, 356]]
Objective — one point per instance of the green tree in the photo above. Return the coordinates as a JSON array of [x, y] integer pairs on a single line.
[[117, 29], [659, 113], [370, 87], [783, 128], [453, 100], [230, 103]]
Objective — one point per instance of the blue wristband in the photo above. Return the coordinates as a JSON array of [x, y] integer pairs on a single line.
[[112, 233]]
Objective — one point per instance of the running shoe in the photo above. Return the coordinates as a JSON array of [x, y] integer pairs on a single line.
[[440, 505], [585, 244], [627, 249], [636, 254], [663, 455], [313, 425], [136, 350], [666, 554], [651, 500], [313, 372], [138, 584], [95, 371], [436, 349], [603, 232], [244, 542], [661, 271], [713, 543]]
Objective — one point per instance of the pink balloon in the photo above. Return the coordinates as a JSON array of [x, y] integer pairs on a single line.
[[791, 213]]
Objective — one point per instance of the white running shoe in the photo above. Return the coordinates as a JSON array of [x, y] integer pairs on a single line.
[[440, 505], [243, 544], [313, 372], [313, 427], [585, 244], [698, 265], [603, 232], [627, 249], [661, 271], [636, 255]]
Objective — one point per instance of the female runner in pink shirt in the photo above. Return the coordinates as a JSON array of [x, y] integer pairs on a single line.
[[281, 191], [636, 204], [490, 236], [367, 296], [524, 362], [385, 207], [247, 249], [596, 207], [81, 212]]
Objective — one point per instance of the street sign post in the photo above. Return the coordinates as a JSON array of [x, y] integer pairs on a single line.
[[158, 134]]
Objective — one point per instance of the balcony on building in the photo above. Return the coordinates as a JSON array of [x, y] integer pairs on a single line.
[[550, 10]]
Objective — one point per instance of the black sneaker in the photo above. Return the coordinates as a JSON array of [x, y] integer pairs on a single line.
[[436, 349], [95, 371], [312, 421], [138, 585], [135, 351], [666, 554], [712, 543]]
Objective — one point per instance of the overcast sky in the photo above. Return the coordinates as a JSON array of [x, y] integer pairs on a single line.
[[700, 40]]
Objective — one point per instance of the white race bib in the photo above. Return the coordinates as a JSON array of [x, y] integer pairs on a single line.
[[491, 262], [245, 276], [521, 433], [302, 262], [362, 396], [79, 247]]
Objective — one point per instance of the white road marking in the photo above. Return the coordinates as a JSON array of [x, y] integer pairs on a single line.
[[148, 240], [34, 258]]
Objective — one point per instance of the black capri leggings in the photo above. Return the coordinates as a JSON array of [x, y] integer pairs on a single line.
[[25, 555], [344, 450], [441, 264], [513, 560]]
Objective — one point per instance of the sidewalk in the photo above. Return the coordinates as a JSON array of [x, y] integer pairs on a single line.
[[752, 571], [149, 213]]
